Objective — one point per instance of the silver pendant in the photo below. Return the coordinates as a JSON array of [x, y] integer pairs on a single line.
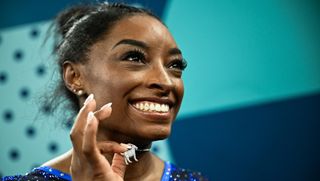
[[131, 152]]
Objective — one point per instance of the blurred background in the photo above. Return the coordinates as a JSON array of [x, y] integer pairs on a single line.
[[252, 87]]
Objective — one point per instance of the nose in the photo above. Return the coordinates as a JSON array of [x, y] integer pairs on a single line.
[[159, 79]]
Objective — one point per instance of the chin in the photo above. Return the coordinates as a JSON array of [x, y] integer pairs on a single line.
[[156, 134]]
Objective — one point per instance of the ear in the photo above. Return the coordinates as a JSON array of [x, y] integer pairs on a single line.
[[72, 76]]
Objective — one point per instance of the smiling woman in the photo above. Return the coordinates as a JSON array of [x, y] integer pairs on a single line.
[[121, 72]]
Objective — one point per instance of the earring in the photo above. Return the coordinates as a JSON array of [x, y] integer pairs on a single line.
[[78, 92]]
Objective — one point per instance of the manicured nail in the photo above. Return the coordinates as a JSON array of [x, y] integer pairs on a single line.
[[90, 116], [89, 98], [126, 146], [106, 106]]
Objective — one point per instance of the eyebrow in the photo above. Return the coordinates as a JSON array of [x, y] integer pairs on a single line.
[[172, 51], [131, 42], [175, 51]]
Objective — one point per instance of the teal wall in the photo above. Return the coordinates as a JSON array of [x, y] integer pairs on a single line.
[[246, 52], [25, 139]]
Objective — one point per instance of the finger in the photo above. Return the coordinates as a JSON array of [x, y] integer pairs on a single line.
[[118, 165], [77, 130], [89, 105], [111, 147], [103, 112], [89, 147]]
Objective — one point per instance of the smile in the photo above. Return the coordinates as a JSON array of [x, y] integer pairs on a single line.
[[147, 106]]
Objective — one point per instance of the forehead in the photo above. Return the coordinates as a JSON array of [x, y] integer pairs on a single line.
[[140, 27]]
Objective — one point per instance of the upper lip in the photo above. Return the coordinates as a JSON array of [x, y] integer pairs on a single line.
[[154, 99]]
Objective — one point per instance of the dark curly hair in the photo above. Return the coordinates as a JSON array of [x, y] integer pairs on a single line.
[[76, 29]]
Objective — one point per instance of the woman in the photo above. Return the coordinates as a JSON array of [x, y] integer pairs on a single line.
[[121, 69]]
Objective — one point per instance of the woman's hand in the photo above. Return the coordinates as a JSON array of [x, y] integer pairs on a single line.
[[88, 161]]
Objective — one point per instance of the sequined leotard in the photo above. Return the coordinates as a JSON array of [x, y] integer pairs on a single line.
[[170, 173]]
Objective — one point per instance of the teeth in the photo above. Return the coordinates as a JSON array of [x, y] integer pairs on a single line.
[[151, 106], [163, 108], [158, 107], [146, 107]]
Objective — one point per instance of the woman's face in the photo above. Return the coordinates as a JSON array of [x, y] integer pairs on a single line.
[[137, 67]]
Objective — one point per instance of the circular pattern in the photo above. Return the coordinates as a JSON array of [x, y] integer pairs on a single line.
[[3, 77], [41, 70], [8, 116], [18, 55], [14, 154], [69, 124], [155, 149], [46, 109], [34, 33], [53, 147], [24, 93], [30, 131]]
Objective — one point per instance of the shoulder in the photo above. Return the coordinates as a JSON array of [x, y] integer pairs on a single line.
[[40, 174], [173, 172]]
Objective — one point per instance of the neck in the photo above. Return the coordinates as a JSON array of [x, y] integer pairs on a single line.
[[141, 169], [110, 135]]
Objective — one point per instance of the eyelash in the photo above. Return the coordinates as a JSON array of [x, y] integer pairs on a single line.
[[179, 64], [134, 56], [140, 57]]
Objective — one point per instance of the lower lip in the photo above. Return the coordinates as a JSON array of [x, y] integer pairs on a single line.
[[153, 116]]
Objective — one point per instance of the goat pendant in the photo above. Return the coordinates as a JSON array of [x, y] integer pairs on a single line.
[[131, 152]]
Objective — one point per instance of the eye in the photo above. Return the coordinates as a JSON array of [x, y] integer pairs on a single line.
[[134, 56], [178, 64]]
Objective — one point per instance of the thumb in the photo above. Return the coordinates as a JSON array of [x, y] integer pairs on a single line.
[[118, 165]]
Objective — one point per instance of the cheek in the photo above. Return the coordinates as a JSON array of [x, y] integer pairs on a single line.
[[180, 89], [123, 83], [103, 85], [119, 84]]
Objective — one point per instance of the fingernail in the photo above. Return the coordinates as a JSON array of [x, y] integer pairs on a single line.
[[125, 145], [106, 106], [90, 116], [89, 98]]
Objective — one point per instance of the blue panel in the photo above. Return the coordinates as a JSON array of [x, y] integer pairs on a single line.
[[13, 12], [275, 141], [17, 12]]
